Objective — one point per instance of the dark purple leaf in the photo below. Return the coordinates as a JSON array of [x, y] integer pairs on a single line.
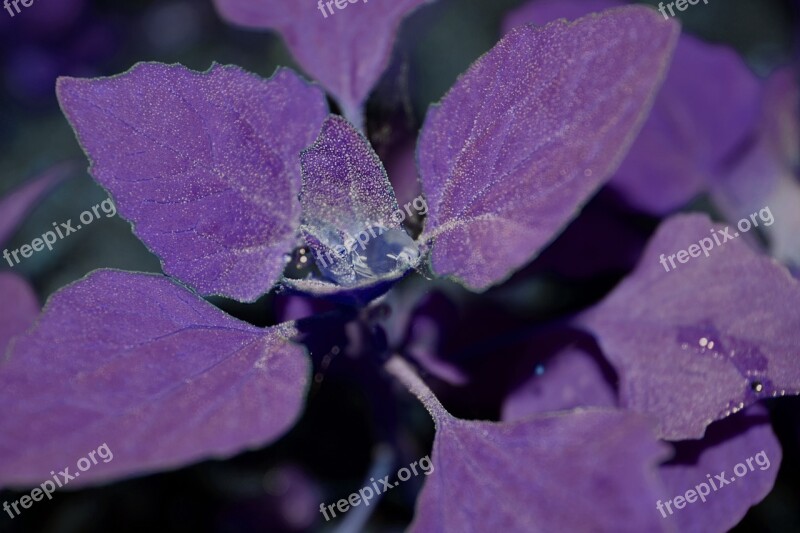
[[349, 208], [141, 364], [574, 376], [347, 51], [19, 310], [530, 132], [727, 444], [528, 475], [705, 339], [205, 165]]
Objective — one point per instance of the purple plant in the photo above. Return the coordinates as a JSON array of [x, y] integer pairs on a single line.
[[223, 175]]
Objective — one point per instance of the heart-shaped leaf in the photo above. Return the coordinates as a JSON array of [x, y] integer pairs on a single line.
[[530, 132], [205, 165]]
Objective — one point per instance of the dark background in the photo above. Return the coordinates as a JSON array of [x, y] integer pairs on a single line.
[[328, 454]]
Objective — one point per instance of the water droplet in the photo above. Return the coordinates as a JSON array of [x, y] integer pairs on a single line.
[[381, 251], [757, 386], [706, 340]]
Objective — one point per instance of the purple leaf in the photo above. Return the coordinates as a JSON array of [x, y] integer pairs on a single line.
[[727, 444], [18, 203], [205, 165], [507, 476], [492, 476], [19, 310], [705, 339], [349, 210], [574, 376], [691, 131], [141, 364], [529, 134], [766, 174], [346, 51]]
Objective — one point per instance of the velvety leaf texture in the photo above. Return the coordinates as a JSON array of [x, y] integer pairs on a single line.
[[348, 203], [344, 183], [497, 476], [530, 132], [705, 339], [141, 364], [346, 51], [573, 379], [19, 308], [728, 443], [511, 476], [205, 165], [691, 132]]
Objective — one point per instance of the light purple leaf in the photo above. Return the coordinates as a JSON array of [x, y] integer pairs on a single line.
[[691, 132], [727, 444], [19, 310], [527, 475], [529, 134], [705, 339], [141, 364], [18, 203], [349, 209], [205, 165], [347, 51]]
